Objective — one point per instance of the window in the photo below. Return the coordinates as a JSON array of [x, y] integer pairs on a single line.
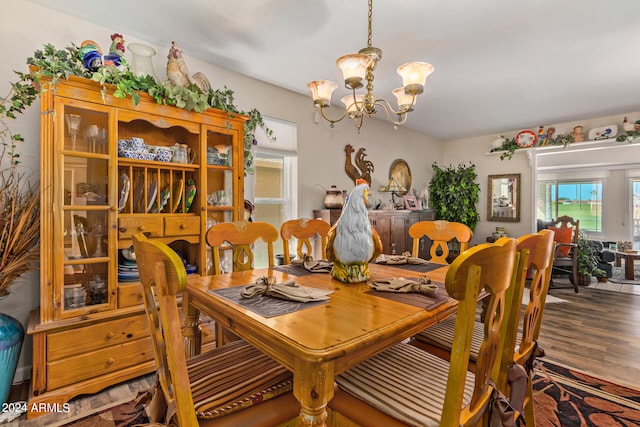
[[635, 198], [579, 199], [274, 184]]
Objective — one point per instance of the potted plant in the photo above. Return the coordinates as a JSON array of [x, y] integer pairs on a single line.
[[587, 261], [454, 195]]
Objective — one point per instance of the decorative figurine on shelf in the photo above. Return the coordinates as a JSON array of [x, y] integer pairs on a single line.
[[91, 55], [578, 135], [178, 72], [542, 138], [361, 169], [352, 243], [116, 50], [551, 133]]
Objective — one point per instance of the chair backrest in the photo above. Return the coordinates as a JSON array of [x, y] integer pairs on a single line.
[[567, 230], [490, 267], [163, 276], [540, 247], [440, 233], [303, 229], [240, 236]]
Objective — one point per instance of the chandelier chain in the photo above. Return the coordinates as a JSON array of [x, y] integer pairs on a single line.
[[370, 19]]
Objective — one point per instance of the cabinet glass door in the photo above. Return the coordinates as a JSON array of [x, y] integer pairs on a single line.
[[85, 218]]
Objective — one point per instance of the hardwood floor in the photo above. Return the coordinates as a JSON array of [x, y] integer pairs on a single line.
[[595, 330]]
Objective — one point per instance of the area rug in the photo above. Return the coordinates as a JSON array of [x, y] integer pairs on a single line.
[[618, 275], [566, 397], [128, 414]]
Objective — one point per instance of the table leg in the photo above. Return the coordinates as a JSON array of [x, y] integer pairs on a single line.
[[629, 273], [191, 333], [313, 387]]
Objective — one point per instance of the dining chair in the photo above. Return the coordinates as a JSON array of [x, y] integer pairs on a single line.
[[440, 233], [438, 339], [567, 231], [239, 236], [232, 385], [303, 229], [405, 385]]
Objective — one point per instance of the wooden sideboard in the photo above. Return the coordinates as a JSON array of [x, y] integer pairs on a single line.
[[392, 226]]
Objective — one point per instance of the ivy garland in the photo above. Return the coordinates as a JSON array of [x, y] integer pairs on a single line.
[[56, 64]]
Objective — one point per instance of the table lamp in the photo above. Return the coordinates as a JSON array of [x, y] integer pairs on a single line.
[[392, 186]]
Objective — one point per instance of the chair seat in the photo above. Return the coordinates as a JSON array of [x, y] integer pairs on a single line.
[[403, 377], [440, 335], [234, 377]]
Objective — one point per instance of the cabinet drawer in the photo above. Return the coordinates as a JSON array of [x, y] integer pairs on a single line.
[[127, 227], [109, 334], [181, 225], [129, 295], [99, 362]]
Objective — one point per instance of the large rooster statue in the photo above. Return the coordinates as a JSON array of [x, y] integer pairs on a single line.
[[178, 72], [361, 169], [352, 242]]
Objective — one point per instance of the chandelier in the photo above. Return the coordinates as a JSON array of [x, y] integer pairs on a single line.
[[358, 67]]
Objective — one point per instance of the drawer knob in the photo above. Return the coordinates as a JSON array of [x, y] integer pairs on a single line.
[[142, 228], [111, 335], [183, 226], [122, 229], [110, 361]]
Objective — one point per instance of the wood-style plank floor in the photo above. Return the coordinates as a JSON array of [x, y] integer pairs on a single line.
[[596, 331]]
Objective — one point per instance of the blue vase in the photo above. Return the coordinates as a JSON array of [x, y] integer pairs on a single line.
[[11, 337]]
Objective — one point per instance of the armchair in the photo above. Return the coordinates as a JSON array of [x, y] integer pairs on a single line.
[[566, 231]]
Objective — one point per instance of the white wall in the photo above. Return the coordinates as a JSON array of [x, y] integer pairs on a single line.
[[25, 27]]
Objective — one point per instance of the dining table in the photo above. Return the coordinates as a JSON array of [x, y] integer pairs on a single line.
[[318, 340]]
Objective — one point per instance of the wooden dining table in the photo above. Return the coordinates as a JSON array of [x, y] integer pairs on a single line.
[[321, 341]]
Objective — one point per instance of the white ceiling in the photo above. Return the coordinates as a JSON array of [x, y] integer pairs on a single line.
[[500, 65]]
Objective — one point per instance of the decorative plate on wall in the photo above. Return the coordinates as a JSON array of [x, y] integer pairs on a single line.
[[526, 139], [402, 174]]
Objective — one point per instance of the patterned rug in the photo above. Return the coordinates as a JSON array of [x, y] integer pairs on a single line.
[[125, 415], [565, 397]]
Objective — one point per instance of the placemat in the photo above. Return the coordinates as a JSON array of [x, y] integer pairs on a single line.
[[428, 302], [418, 268], [296, 270], [265, 306]]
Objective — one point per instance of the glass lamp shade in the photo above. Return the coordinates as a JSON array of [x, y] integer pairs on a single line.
[[405, 100], [391, 186], [354, 69], [414, 75], [352, 107], [321, 91]]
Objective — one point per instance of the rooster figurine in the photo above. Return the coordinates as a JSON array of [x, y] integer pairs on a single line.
[[178, 73], [352, 242], [361, 169]]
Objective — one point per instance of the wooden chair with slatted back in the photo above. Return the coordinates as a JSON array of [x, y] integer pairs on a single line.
[[304, 229], [537, 252], [240, 235], [405, 385], [440, 233], [567, 231], [204, 390]]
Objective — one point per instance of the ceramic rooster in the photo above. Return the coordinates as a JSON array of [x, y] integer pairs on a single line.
[[352, 242], [116, 50], [361, 169], [178, 72]]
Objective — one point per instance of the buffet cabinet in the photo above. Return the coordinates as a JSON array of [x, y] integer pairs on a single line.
[[392, 226], [110, 169]]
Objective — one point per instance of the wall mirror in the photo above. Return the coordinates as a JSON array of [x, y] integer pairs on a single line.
[[504, 198]]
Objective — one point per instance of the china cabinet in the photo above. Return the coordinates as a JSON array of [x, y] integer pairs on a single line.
[[109, 169], [392, 226]]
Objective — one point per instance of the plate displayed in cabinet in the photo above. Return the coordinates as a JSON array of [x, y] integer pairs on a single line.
[[177, 195], [124, 191], [165, 193], [604, 132], [190, 194], [151, 195]]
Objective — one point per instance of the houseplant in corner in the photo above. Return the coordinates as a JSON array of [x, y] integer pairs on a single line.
[[587, 261], [19, 230], [454, 195]]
